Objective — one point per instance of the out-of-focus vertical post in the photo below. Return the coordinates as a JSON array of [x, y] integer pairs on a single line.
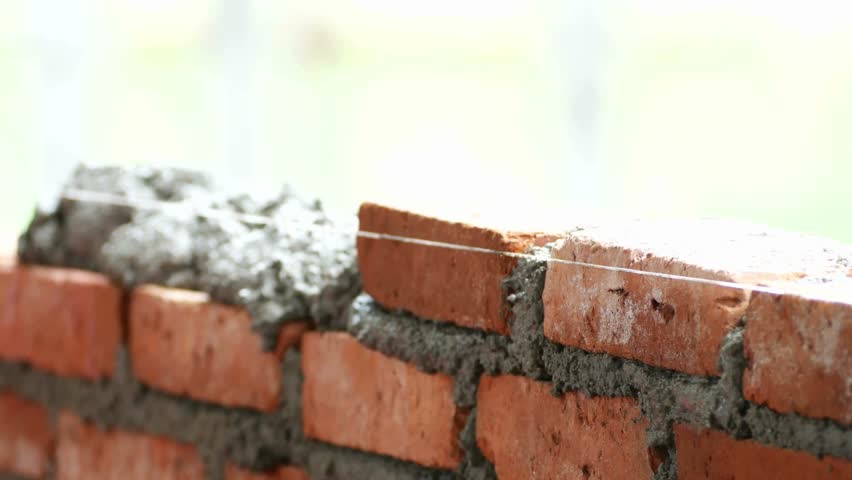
[[60, 43], [237, 50], [582, 41]]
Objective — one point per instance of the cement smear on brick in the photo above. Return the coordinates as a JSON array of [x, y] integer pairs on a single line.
[[299, 266]]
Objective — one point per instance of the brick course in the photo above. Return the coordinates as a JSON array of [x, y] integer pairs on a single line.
[[386, 384], [670, 323], [461, 287]]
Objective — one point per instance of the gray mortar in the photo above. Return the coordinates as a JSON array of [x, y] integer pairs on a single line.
[[522, 290], [300, 266], [474, 465]]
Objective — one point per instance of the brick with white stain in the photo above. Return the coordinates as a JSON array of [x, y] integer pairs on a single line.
[[667, 320]]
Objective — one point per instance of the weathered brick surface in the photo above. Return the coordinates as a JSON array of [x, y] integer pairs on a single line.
[[799, 350], [444, 284], [183, 343], [670, 323], [359, 398], [530, 434], [26, 438], [281, 473], [85, 452], [713, 455], [61, 320]]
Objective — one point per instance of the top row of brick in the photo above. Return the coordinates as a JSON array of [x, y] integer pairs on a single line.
[[663, 320]]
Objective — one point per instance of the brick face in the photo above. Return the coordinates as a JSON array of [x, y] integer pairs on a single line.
[[530, 434], [182, 343], [85, 452], [443, 284], [26, 438], [7, 300], [282, 473], [713, 455], [799, 352], [359, 398], [670, 323], [61, 320]]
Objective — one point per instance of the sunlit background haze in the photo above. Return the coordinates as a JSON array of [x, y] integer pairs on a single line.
[[739, 109]]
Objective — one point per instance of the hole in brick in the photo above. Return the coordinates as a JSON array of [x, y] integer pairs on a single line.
[[555, 438], [620, 291], [587, 471], [656, 457], [124, 318], [666, 310]]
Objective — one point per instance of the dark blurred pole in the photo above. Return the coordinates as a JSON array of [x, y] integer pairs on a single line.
[[238, 96], [583, 45]]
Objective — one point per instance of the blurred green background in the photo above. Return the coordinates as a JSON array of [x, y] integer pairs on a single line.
[[621, 109]]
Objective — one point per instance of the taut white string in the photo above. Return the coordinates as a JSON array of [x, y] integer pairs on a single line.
[[259, 220]]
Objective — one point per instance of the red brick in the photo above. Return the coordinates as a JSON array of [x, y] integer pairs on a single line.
[[281, 473], [713, 455], [798, 348], [359, 398], [85, 452], [670, 323], [7, 297], [26, 439], [60, 320], [183, 343], [529, 434], [462, 287]]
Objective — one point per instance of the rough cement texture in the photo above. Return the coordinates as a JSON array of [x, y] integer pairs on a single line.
[[474, 466], [523, 289], [300, 265]]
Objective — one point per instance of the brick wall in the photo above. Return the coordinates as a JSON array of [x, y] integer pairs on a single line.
[[452, 363]]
